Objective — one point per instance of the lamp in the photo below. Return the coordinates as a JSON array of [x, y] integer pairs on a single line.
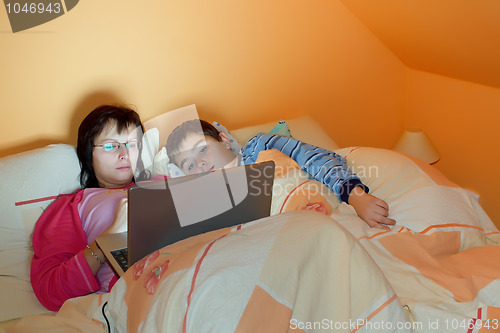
[[416, 143]]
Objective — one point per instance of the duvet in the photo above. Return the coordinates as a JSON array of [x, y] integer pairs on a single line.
[[296, 271], [315, 266]]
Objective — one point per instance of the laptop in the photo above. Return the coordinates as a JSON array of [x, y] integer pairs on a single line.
[[163, 212]]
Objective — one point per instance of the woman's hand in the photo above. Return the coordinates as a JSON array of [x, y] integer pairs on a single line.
[[372, 210], [119, 224]]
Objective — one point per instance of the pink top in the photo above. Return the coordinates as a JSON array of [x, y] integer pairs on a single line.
[[59, 270], [97, 211]]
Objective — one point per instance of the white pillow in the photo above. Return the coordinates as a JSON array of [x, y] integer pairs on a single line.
[[30, 182], [154, 159], [304, 129], [150, 147], [174, 171], [160, 163], [235, 145], [418, 194]]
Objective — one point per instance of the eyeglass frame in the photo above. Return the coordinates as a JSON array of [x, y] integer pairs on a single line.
[[118, 145]]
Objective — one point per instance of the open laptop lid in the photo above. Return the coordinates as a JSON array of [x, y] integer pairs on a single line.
[[163, 212]]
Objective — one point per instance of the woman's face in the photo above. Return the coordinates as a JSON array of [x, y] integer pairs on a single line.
[[114, 163]]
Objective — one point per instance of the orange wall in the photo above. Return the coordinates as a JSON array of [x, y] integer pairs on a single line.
[[462, 118], [240, 62]]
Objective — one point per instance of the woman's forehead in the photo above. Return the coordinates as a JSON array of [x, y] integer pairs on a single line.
[[111, 130]]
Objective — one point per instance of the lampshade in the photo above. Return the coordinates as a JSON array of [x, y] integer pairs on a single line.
[[416, 143]]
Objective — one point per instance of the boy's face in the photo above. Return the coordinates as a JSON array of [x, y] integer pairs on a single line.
[[200, 153]]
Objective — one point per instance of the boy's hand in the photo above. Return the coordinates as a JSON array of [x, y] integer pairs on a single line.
[[372, 210]]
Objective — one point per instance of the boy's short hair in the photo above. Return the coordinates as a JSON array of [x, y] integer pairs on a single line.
[[180, 133]]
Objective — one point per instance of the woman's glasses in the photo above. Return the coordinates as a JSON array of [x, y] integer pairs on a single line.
[[113, 147]]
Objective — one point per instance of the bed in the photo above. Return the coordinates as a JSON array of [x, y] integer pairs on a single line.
[[313, 265]]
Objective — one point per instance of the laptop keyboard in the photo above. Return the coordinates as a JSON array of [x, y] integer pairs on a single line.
[[121, 257]]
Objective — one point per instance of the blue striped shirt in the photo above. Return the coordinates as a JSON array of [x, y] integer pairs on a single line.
[[323, 165]]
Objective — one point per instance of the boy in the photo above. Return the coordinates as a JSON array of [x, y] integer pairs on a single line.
[[196, 149]]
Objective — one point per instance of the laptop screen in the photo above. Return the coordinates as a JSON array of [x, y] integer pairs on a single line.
[[164, 212]]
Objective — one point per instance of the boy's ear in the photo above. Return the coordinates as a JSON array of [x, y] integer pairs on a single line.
[[225, 140]]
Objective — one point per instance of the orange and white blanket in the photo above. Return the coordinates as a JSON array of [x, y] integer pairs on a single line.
[[296, 271], [441, 258], [437, 270]]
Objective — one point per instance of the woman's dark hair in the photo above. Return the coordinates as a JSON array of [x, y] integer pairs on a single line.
[[180, 133], [91, 127]]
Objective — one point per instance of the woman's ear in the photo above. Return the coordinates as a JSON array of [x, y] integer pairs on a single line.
[[225, 140]]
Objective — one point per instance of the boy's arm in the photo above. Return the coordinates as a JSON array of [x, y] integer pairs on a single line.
[[325, 166]]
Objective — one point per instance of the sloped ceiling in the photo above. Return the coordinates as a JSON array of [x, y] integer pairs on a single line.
[[454, 38]]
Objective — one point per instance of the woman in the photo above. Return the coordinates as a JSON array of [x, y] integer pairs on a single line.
[[67, 262]]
